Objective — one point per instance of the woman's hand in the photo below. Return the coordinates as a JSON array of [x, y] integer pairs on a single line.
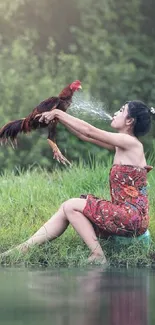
[[47, 117]]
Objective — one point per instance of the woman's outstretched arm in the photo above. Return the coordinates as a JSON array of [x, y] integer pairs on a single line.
[[97, 142], [123, 141]]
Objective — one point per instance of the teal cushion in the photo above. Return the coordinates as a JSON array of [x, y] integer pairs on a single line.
[[145, 239]]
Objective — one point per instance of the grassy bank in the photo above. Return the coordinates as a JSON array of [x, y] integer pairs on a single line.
[[28, 199]]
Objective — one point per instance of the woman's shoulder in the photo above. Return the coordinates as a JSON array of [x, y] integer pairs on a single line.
[[135, 140]]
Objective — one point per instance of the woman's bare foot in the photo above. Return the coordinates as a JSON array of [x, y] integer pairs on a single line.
[[96, 258], [7, 253], [23, 248]]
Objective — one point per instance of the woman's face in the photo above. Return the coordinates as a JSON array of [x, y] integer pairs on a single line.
[[120, 118]]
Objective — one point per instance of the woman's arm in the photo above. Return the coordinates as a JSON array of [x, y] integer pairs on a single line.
[[84, 138], [123, 141]]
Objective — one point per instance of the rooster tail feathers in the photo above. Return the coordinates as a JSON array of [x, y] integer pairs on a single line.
[[11, 130]]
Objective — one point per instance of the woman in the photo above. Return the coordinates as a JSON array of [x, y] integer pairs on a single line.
[[127, 213]]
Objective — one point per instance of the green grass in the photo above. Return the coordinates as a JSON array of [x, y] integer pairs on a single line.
[[28, 199]]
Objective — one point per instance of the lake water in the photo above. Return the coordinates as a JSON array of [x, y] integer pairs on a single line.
[[89, 296]]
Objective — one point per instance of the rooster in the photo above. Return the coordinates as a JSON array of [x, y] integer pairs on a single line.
[[10, 130]]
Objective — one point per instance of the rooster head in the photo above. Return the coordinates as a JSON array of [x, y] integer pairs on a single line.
[[75, 85]]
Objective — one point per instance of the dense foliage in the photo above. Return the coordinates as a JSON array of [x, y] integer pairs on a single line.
[[108, 45]]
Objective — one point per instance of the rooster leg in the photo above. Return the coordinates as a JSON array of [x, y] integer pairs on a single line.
[[57, 153], [51, 140]]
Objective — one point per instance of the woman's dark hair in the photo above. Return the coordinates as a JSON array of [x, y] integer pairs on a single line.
[[142, 116]]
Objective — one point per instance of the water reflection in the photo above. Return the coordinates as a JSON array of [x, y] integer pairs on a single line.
[[90, 296]]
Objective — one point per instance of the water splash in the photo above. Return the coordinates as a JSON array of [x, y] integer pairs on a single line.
[[89, 107]]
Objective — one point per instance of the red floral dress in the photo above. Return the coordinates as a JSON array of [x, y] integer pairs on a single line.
[[127, 213]]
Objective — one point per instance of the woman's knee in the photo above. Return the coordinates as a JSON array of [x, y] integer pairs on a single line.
[[65, 206], [74, 204]]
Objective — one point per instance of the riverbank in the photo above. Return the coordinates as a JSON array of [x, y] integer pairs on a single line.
[[28, 199]]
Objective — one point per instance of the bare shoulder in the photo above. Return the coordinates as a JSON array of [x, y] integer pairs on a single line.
[[133, 155], [122, 140], [132, 139], [139, 144]]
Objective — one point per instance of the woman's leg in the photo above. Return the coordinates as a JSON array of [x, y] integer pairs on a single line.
[[73, 209], [52, 229], [69, 212]]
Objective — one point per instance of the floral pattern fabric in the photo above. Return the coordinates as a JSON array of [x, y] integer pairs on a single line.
[[127, 213]]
